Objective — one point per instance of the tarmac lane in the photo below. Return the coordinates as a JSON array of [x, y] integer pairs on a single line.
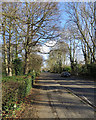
[[54, 101], [81, 87]]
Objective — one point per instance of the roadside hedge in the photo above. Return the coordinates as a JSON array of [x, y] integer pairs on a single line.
[[88, 70], [14, 89], [91, 68]]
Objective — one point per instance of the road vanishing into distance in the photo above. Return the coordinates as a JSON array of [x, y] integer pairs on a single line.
[[58, 97]]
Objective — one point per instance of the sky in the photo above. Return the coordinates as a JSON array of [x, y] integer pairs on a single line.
[[46, 49]]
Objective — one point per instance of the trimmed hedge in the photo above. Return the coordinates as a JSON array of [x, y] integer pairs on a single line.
[[14, 89]]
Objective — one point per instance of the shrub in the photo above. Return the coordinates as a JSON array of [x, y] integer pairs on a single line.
[[17, 65], [9, 95], [67, 68], [21, 90], [14, 89], [28, 83], [88, 70], [38, 73], [91, 68], [82, 70]]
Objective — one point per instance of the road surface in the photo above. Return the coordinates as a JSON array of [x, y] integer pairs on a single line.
[[50, 99], [81, 87]]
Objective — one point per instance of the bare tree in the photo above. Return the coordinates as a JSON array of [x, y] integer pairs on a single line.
[[5, 46], [70, 37], [8, 14], [37, 17], [29, 25], [82, 15]]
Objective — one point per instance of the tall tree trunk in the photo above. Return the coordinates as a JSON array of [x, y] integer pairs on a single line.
[[74, 51], [88, 52], [27, 51], [84, 52], [16, 53], [26, 69], [10, 50], [71, 57], [5, 50]]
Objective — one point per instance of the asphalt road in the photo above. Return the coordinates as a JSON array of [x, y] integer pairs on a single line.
[[83, 88], [54, 101]]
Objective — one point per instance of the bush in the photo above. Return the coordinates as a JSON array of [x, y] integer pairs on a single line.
[[14, 89], [9, 96], [88, 70], [28, 83], [91, 69], [38, 73], [32, 73], [83, 70], [67, 68], [17, 65]]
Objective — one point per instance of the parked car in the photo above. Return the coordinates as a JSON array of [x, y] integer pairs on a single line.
[[65, 74]]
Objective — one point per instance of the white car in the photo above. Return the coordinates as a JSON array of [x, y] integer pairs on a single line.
[[65, 74]]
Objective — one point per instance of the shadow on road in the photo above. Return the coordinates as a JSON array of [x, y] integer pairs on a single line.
[[49, 96], [80, 87]]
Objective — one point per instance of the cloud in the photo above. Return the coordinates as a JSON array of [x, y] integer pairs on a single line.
[[45, 49]]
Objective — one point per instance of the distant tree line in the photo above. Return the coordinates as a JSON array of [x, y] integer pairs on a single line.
[[79, 36]]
